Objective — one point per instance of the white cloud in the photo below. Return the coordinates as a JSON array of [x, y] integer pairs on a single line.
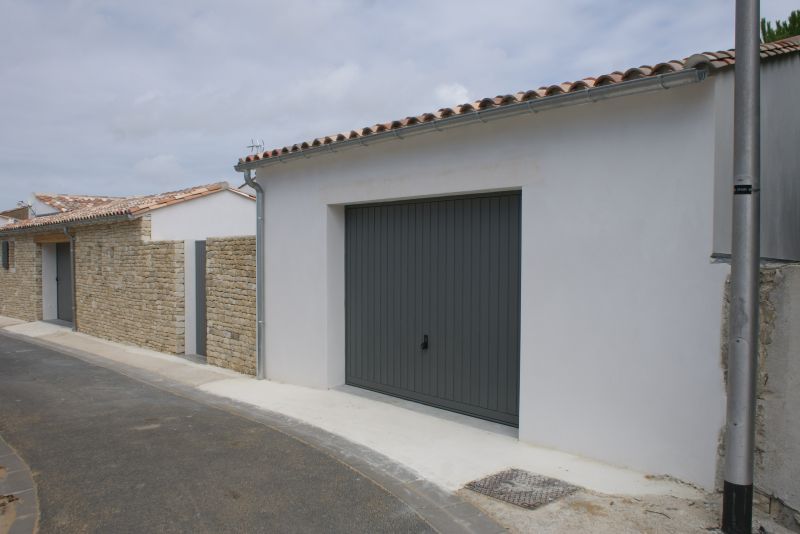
[[451, 94], [160, 166], [135, 97]]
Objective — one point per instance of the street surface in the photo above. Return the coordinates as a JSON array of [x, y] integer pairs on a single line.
[[112, 454]]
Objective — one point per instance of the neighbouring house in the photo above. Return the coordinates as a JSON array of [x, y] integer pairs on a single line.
[[553, 259], [125, 268], [40, 204], [14, 214]]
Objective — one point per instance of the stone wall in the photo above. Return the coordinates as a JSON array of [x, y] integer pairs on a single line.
[[130, 289], [231, 303], [777, 452], [21, 284]]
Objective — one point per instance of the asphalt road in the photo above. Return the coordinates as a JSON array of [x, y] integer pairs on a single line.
[[111, 454]]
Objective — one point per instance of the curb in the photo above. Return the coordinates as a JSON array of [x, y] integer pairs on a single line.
[[18, 483], [444, 511]]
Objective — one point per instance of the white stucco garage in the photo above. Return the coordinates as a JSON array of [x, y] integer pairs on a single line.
[[624, 228]]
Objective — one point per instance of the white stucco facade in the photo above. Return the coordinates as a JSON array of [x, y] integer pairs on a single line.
[[620, 299], [222, 214], [780, 160]]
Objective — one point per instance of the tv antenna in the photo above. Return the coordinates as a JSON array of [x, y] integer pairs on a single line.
[[24, 204], [256, 147]]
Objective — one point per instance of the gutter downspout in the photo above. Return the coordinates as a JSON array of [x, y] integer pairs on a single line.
[[72, 281], [261, 360]]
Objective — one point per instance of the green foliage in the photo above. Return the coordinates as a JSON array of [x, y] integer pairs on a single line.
[[782, 29]]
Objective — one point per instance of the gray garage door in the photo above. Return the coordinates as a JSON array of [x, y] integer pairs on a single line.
[[432, 302]]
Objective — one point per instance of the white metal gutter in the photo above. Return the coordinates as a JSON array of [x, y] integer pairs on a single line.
[[584, 96]]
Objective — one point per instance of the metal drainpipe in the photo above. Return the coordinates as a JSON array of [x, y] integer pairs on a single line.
[[737, 502], [73, 276], [261, 362]]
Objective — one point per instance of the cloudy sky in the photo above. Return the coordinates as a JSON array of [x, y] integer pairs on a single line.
[[130, 97]]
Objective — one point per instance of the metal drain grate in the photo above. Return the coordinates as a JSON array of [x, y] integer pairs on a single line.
[[522, 488]]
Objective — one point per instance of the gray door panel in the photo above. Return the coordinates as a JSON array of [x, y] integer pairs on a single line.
[[64, 282], [200, 292], [448, 269]]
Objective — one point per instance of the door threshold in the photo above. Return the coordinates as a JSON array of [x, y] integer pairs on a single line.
[[427, 409], [59, 322], [196, 358]]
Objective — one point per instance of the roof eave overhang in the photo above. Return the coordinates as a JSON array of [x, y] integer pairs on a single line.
[[66, 224], [582, 96]]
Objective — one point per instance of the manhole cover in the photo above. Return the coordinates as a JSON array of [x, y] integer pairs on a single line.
[[522, 488]]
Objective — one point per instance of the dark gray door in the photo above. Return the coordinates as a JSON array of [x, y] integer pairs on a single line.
[[200, 293], [432, 302], [64, 281]]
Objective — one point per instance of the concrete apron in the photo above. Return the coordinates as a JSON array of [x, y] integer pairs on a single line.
[[21, 515], [420, 454]]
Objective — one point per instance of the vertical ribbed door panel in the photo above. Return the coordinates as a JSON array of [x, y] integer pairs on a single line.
[[432, 302]]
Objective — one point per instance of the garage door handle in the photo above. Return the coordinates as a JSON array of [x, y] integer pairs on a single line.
[[424, 344]]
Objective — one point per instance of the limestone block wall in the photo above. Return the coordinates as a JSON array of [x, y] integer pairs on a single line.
[[777, 452], [21, 284], [231, 303], [778, 410], [130, 289]]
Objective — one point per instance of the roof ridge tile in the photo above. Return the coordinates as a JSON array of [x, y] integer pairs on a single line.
[[121, 206], [716, 60]]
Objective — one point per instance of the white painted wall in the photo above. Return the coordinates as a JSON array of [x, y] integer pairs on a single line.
[[620, 303], [220, 214], [246, 188], [49, 283], [780, 160]]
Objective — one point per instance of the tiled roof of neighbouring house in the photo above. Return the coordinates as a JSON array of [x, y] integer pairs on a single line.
[[712, 60], [72, 202], [15, 213], [134, 206]]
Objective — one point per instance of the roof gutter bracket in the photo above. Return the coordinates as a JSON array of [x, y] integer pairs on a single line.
[[584, 96]]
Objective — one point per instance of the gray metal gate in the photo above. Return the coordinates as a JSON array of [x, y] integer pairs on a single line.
[[63, 282], [432, 302], [200, 293]]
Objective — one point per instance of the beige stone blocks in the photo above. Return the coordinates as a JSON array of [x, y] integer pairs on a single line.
[[130, 289], [21, 283], [231, 303]]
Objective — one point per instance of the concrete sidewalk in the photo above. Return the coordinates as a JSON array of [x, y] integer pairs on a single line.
[[111, 453], [421, 455], [444, 448]]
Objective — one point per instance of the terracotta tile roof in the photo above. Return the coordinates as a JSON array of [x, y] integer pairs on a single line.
[[15, 213], [713, 61], [71, 202], [130, 207]]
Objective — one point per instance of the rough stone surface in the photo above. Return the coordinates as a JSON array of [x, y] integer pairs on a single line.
[[778, 409], [231, 303], [777, 469], [21, 283], [130, 289]]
